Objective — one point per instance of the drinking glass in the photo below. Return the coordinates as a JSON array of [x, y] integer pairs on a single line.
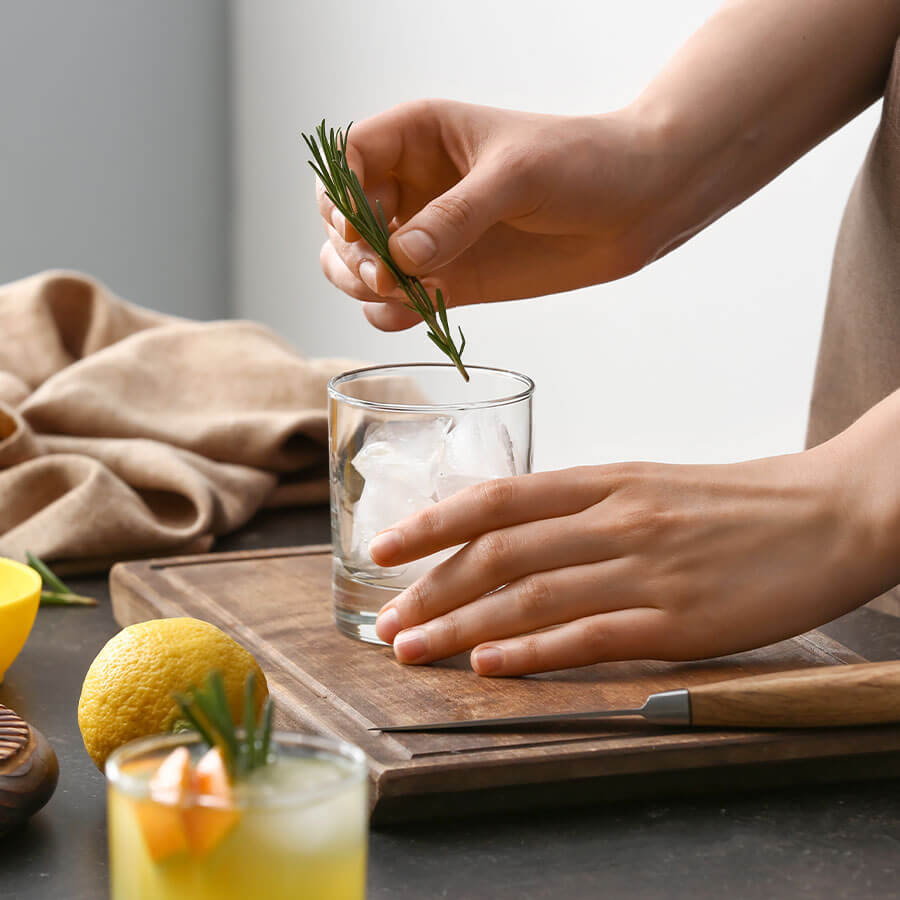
[[402, 438], [297, 827]]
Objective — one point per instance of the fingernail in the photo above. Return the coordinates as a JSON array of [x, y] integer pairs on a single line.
[[387, 625], [339, 222], [410, 646], [385, 545], [369, 275], [418, 246], [487, 660]]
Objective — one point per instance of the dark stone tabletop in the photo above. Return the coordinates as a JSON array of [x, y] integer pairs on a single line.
[[825, 841]]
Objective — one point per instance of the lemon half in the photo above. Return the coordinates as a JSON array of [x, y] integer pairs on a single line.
[[20, 595]]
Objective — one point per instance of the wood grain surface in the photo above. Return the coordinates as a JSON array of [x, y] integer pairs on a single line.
[[278, 604]]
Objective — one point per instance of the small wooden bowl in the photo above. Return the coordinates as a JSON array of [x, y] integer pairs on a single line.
[[29, 770]]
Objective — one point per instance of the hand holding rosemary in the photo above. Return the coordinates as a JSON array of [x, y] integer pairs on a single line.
[[329, 162]]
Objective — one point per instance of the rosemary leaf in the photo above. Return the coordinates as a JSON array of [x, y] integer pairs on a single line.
[[206, 704], [248, 761], [435, 338], [46, 574], [56, 598], [442, 309], [266, 728], [184, 704], [216, 684], [382, 221], [55, 592], [219, 718]]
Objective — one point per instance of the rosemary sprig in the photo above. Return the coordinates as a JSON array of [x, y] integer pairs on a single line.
[[249, 745], [330, 164], [205, 710], [55, 592], [55, 598]]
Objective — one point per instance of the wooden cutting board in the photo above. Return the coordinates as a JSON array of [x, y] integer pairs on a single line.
[[277, 603]]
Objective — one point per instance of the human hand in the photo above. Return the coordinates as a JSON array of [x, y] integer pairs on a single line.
[[517, 205], [490, 204], [632, 561]]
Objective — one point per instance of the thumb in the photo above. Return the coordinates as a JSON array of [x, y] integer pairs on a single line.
[[452, 222]]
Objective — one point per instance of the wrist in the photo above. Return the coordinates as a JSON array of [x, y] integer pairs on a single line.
[[636, 141], [678, 165], [866, 481]]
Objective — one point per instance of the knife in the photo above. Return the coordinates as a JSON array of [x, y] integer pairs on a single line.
[[861, 694]]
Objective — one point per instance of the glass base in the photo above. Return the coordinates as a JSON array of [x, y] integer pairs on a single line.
[[356, 605]]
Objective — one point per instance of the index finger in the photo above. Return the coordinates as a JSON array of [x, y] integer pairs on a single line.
[[484, 507], [375, 145], [374, 149]]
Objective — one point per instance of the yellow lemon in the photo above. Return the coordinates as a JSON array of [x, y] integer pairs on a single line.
[[127, 692], [20, 594]]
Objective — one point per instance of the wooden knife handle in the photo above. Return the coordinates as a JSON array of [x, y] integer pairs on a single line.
[[860, 694]]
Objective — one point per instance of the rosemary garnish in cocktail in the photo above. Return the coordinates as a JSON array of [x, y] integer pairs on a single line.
[[205, 710], [345, 192]]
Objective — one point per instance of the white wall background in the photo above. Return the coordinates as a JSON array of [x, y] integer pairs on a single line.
[[114, 146], [708, 355]]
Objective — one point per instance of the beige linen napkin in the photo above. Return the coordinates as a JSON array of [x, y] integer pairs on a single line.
[[124, 432]]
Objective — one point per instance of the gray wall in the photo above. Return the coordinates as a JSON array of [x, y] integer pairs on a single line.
[[114, 139]]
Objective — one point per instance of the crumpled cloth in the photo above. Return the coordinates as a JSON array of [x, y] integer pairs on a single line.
[[128, 433]]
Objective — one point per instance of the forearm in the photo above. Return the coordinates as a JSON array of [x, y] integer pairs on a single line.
[[757, 86]]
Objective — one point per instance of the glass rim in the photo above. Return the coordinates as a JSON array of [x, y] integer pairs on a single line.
[[355, 374], [137, 787]]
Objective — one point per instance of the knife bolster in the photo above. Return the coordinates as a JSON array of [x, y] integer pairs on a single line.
[[668, 708]]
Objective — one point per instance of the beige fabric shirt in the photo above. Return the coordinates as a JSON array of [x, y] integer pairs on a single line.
[[859, 357]]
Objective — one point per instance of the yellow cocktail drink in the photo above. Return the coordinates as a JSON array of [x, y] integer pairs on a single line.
[[295, 828]]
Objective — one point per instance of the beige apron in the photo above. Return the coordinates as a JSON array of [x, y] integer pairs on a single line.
[[859, 357]]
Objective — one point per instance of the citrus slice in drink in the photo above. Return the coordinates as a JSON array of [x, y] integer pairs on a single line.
[[187, 808], [160, 816], [212, 814]]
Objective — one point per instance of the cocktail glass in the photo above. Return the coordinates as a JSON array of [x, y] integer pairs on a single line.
[[401, 439], [297, 827]]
